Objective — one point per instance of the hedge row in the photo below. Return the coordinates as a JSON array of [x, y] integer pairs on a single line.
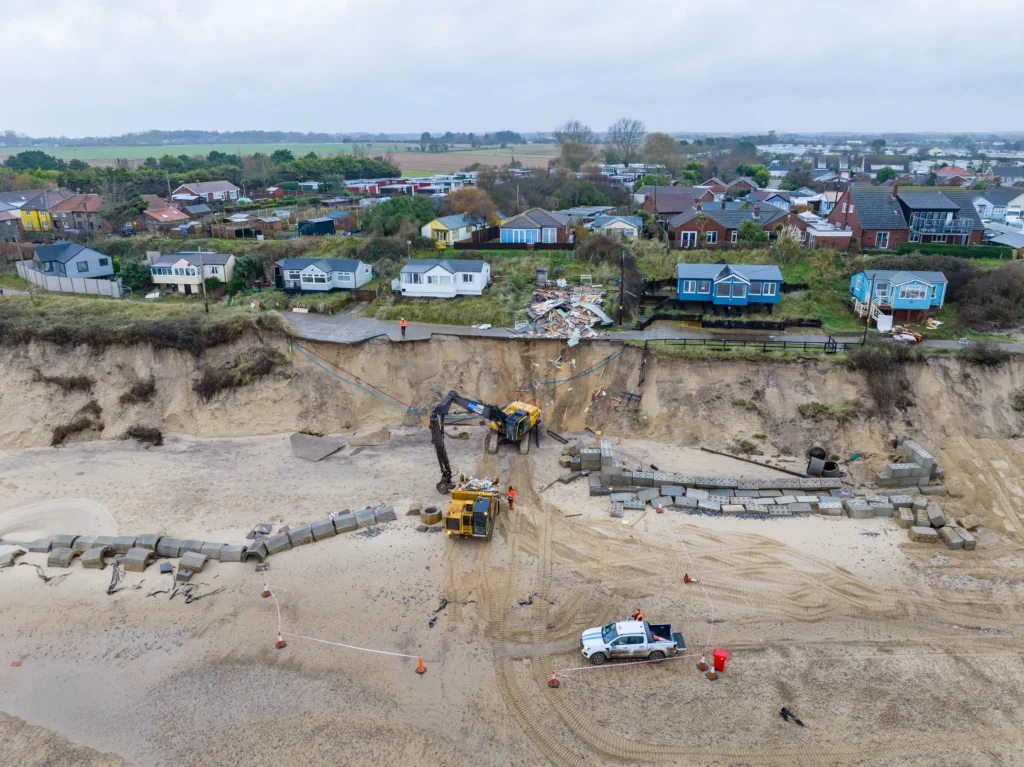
[[960, 251]]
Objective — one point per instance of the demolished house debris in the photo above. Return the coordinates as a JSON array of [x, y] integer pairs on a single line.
[[559, 311]]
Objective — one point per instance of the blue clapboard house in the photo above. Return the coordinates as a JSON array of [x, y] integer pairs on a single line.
[[733, 286], [907, 296]]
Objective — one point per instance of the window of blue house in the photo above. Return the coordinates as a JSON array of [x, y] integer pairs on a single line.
[[856, 285], [739, 290], [689, 286], [755, 288], [935, 292], [722, 290], [770, 289], [704, 286]]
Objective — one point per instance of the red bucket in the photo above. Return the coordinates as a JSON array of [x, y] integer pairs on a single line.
[[720, 657]]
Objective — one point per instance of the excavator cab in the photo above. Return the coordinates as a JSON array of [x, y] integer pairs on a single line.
[[520, 421], [471, 514]]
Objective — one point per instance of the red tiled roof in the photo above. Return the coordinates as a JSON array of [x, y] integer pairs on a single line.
[[82, 203], [156, 202], [167, 216], [952, 170]]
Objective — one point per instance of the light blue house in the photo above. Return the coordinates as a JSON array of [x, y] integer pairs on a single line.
[[730, 285], [907, 296], [68, 259]]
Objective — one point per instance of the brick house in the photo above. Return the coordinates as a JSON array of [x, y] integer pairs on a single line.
[[536, 226], [10, 226], [78, 214], [207, 191], [721, 228], [672, 200], [885, 218]]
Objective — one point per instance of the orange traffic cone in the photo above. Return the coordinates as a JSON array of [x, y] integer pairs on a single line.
[[553, 682], [702, 666], [659, 509], [688, 579], [281, 644], [712, 674], [266, 590], [420, 669]]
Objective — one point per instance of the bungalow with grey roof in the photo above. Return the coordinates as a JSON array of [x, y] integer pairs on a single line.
[[536, 226], [317, 275], [68, 259], [729, 285], [185, 271], [443, 278]]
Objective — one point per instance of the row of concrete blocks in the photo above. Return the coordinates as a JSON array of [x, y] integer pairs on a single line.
[[954, 537], [658, 479], [142, 550]]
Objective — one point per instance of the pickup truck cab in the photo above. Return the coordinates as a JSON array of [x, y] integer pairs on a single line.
[[630, 640]]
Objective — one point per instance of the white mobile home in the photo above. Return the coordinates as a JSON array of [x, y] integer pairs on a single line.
[[444, 278], [321, 274]]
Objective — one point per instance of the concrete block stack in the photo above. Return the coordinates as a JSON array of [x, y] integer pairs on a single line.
[[917, 467]]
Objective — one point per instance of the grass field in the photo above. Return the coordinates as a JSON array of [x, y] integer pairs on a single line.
[[406, 154]]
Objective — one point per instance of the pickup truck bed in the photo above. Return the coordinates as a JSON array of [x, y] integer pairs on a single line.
[[665, 633]]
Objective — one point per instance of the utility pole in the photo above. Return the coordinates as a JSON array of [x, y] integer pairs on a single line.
[[202, 277], [622, 283], [871, 297], [168, 177]]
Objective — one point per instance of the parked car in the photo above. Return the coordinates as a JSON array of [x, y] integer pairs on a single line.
[[630, 640]]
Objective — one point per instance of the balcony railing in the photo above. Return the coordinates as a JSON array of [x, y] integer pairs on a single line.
[[940, 226]]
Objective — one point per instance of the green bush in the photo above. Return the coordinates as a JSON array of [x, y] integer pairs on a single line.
[[236, 285], [141, 391], [67, 384], [839, 411], [242, 371], [985, 355], [135, 275], [963, 251], [995, 299]]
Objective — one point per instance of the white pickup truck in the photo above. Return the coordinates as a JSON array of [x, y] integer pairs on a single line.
[[630, 640]]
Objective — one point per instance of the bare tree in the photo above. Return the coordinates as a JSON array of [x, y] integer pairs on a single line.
[[625, 138], [662, 149], [576, 141], [260, 168]]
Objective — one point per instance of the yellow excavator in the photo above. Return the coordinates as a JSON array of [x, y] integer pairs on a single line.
[[515, 422], [472, 513]]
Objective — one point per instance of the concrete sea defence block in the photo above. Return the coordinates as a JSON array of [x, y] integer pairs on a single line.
[[364, 518], [622, 497], [920, 502], [970, 522], [8, 557], [40, 547], [192, 560], [766, 501], [830, 506], [278, 543], [617, 510], [94, 558], [685, 502], [301, 535], [883, 509], [780, 511], [137, 560], [123, 544], [662, 500], [771, 493], [738, 493], [102, 540], [950, 538], [646, 494], [414, 509], [600, 490], [934, 490], [672, 490], [213, 551], [734, 508], [905, 518], [747, 484], [635, 505], [921, 518], [346, 522], [811, 499], [64, 541], [970, 542], [192, 545], [62, 557], [785, 500], [257, 551], [756, 508], [700, 495], [935, 516], [232, 553], [801, 508], [923, 535], [709, 505], [147, 542], [321, 529], [84, 543], [169, 547], [861, 512], [901, 501]]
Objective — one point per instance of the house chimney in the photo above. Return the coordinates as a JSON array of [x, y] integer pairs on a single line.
[[700, 205], [757, 210], [895, 187]]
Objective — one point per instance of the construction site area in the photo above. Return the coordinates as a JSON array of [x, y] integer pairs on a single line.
[[318, 562]]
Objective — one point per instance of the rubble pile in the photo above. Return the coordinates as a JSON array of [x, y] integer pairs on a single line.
[[561, 311]]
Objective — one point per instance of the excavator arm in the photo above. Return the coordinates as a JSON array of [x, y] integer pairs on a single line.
[[437, 416]]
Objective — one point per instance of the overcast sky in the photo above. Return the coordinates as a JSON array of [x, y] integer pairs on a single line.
[[100, 67]]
